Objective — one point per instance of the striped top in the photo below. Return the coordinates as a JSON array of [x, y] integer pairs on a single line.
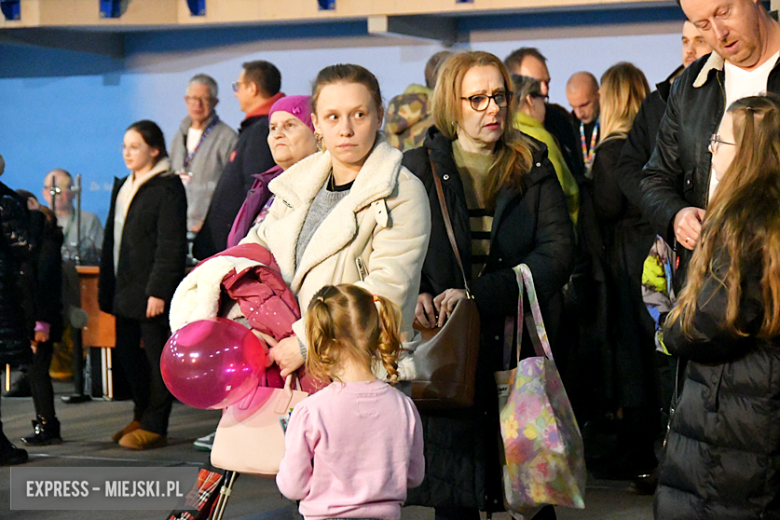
[[473, 169]]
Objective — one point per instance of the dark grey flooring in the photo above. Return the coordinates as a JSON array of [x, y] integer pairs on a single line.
[[87, 430]]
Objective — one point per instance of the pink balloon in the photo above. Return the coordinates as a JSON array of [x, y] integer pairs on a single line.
[[212, 363]]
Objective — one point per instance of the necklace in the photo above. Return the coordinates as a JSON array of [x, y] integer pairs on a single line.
[[587, 155]]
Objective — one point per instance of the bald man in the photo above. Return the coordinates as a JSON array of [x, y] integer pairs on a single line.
[[582, 91], [91, 228]]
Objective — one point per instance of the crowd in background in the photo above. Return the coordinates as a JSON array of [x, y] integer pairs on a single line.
[[613, 205]]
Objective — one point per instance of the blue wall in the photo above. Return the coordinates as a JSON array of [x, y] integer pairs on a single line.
[[69, 109]]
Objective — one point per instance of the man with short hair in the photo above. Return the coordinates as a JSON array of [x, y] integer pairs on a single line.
[[528, 61], [201, 148], [582, 91], [91, 228], [408, 115], [677, 182], [256, 89]]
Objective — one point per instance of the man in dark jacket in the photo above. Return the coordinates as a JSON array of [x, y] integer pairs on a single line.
[[528, 61], [15, 247], [677, 185], [257, 89]]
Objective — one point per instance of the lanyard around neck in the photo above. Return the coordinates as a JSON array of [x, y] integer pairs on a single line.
[[587, 155], [203, 136]]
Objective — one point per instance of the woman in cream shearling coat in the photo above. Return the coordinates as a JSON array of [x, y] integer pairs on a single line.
[[376, 236]]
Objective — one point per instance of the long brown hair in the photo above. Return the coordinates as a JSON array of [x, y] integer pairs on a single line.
[[623, 88], [741, 232], [512, 156], [346, 321]]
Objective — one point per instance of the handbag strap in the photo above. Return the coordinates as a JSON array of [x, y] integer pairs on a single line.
[[537, 330], [448, 222]]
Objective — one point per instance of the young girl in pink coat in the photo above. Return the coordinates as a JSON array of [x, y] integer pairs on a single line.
[[353, 448]]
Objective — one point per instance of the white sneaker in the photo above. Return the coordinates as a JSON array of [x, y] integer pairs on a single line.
[[205, 443]]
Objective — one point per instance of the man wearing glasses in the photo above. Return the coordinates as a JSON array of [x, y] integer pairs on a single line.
[[678, 181], [256, 89], [201, 148]]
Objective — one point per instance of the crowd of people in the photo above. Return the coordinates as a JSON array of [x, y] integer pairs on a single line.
[[645, 217]]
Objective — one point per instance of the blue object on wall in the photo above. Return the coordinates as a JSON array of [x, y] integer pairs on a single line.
[[197, 7], [11, 9], [110, 8], [464, 1], [327, 5]]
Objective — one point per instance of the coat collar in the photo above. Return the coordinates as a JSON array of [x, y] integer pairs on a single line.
[[296, 189], [714, 62]]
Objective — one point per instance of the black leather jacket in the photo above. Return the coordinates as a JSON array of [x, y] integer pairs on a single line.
[[678, 172]]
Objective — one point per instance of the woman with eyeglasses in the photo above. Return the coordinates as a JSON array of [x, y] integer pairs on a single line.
[[626, 240], [530, 109], [144, 251], [507, 208], [722, 452]]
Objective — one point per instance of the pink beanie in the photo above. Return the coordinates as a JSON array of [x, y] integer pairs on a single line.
[[299, 106]]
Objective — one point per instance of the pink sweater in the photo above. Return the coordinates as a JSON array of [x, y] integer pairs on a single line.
[[351, 450]]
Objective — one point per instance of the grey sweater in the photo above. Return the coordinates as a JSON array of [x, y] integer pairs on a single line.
[[206, 166], [321, 206]]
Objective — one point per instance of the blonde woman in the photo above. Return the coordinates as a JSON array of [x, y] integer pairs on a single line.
[[627, 238]]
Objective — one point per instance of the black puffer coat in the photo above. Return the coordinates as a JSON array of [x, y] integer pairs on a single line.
[[16, 246], [153, 250], [532, 227], [722, 456]]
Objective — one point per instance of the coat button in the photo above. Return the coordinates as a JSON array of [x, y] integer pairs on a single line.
[[497, 338], [446, 177], [500, 259], [538, 165]]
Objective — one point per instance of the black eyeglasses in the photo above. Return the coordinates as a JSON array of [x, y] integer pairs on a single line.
[[715, 141], [541, 96], [480, 102]]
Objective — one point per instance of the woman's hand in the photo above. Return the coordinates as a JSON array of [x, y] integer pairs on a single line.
[[425, 313], [287, 354], [154, 307], [445, 303]]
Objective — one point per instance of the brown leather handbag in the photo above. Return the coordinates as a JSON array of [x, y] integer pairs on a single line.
[[446, 361]]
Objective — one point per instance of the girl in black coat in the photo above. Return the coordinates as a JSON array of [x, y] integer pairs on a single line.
[[519, 214], [722, 455], [144, 252], [42, 275], [628, 385]]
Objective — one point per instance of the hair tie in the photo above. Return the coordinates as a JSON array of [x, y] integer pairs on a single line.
[[320, 298], [376, 298]]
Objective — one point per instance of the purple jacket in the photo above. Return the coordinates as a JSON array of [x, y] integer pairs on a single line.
[[256, 199]]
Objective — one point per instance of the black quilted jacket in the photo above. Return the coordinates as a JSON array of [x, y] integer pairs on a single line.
[[722, 456]]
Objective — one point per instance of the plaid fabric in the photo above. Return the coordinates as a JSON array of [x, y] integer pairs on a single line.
[[209, 481]]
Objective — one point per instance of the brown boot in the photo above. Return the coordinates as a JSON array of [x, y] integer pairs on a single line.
[[143, 440], [124, 431]]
